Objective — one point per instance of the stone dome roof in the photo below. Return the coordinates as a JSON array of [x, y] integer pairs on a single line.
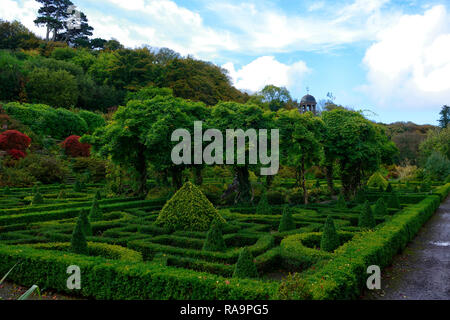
[[309, 99]]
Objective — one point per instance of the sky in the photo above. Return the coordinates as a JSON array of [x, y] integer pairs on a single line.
[[390, 58]]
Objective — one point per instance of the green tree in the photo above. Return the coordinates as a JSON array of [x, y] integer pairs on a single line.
[[53, 15], [341, 203], [245, 267], [55, 88], [233, 115], [330, 239], [275, 97], [356, 144], [445, 117], [393, 201], [437, 167], [37, 198], [366, 218], [437, 141], [14, 35]]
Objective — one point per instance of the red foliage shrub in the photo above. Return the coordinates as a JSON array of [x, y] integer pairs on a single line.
[[16, 154], [13, 139], [74, 148]]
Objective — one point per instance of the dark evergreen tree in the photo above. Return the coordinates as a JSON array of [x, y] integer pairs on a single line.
[[263, 205], [245, 267], [86, 225], [78, 242], [393, 201], [287, 222], [445, 117], [380, 208], [366, 218], [96, 212], [214, 238], [37, 198], [389, 188], [341, 203], [330, 238]]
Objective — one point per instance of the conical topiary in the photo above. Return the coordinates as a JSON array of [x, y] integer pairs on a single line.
[[96, 212], [98, 195], [7, 191], [189, 209], [78, 187], [341, 203], [330, 238], [214, 238], [317, 184], [381, 189], [263, 205], [245, 267], [360, 196], [377, 180], [393, 201], [37, 198], [287, 222], [86, 225], [389, 188], [366, 219], [380, 208], [78, 244]]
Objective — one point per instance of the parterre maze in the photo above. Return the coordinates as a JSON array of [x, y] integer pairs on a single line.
[[131, 257]]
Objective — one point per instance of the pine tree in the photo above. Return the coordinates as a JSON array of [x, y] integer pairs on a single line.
[[287, 222], [86, 225], [393, 201], [380, 208], [366, 218], [330, 238], [245, 267], [78, 242], [96, 212], [214, 238], [341, 203], [263, 205]]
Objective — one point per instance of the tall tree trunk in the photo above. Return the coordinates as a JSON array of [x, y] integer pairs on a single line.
[[198, 177], [329, 172], [244, 192], [141, 168], [177, 177], [303, 177]]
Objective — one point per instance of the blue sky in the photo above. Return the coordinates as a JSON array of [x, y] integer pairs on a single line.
[[388, 57]]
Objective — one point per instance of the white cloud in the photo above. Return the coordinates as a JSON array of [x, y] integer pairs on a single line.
[[24, 11], [409, 65], [267, 70]]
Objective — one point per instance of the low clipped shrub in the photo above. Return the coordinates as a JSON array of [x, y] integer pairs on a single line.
[[287, 222], [330, 238], [366, 218], [294, 287], [245, 266], [214, 238], [189, 210]]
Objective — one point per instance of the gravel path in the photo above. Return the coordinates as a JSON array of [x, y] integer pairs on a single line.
[[422, 271]]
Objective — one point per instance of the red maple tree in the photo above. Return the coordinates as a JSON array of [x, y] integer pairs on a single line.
[[13, 139], [74, 148]]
